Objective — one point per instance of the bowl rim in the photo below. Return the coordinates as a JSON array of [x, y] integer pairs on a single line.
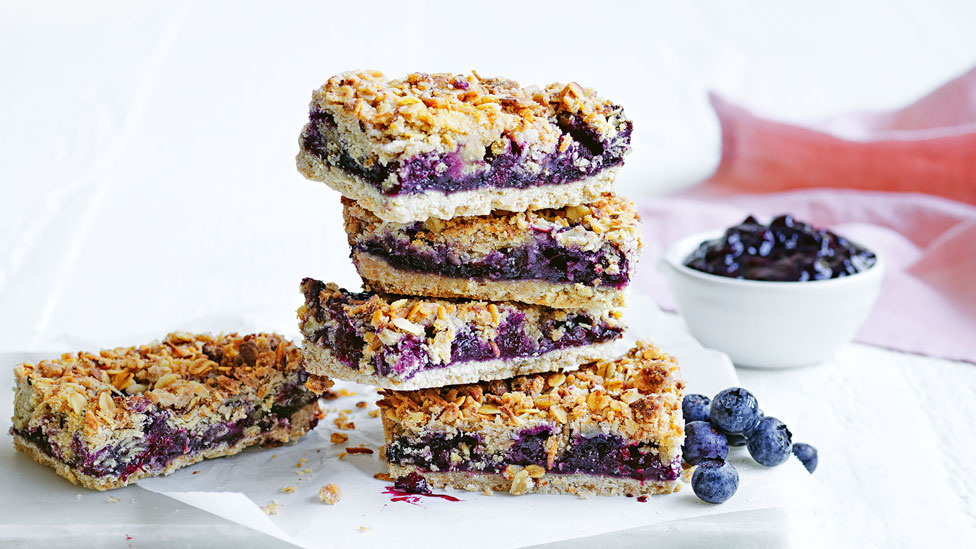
[[679, 249]]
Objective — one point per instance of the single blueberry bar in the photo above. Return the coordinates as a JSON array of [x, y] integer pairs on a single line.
[[407, 343], [444, 145], [573, 257], [107, 419], [612, 427]]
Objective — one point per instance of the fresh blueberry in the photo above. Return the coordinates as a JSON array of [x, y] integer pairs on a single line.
[[771, 442], [740, 440], [695, 407], [806, 454], [703, 441], [715, 481], [734, 411]]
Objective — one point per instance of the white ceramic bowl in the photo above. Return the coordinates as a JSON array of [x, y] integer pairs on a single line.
[[769, 324]]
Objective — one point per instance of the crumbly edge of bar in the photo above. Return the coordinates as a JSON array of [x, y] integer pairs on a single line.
[[299, 425], [320, 361], [636, 396], [97, 393], [380, 276], [580, 485], [422, 206], [384, 120], [610, 221]]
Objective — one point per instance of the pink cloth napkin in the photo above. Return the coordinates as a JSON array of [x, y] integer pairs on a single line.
[[863, 176]]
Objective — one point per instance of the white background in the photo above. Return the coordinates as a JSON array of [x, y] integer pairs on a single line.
[[147, 168]]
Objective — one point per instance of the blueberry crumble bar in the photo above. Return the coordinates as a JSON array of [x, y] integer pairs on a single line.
[[612, 427], [107, 419], [573, 257], [412, 343], [445, 145]]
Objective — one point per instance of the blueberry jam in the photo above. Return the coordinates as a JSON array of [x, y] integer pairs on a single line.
[[784, 250], [601, 454], [409, 355], [162, 442], [542, 259], [586, 155]]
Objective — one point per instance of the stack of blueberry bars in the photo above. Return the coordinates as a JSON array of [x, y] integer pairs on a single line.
[[494, 256]]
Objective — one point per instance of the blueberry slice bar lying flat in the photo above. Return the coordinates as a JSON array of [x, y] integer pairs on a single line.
[[610, 428], [573, 257], [413, 342], [107, 419], [443, 145]]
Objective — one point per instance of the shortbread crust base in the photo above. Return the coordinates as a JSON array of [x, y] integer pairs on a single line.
[[299, 425], [580, 485], [421, 206], [320, 361], [380, 276]]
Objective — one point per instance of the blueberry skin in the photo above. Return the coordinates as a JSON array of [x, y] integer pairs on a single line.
[[807, 455], [740, 440], [734, 411], [695, 407], [703, 441], [715, 481], [771, 443]]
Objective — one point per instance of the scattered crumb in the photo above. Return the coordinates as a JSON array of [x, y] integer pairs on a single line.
[[339, 438], [272, 456], [198, 472], [361, 404], [128, 537], [329, 395], [345, 393], [642, 499], [78, 496], [290, 489], [488, 492], [374, 413], [342, 455], [359, 450], [306, 471], [330, 494], [271, 508], [346, 411], [298, 465], [364, 528], [318, 450], [383, 476], [343, 422], [112, 499]]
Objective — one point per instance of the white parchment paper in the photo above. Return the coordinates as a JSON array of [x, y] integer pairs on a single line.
[[237, 488]]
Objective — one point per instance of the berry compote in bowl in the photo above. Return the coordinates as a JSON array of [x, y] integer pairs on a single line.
[[774, 295]]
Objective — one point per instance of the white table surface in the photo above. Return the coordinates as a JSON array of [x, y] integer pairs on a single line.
[[147, 180]]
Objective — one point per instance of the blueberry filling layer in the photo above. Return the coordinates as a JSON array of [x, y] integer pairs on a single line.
[[603, 455], [586, 155], [785, 250], [162, 442], [409, 355], [542, 259]]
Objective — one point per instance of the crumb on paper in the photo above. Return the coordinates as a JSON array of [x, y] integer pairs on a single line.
[[385, 477], [364, 529], [290, 489], [271, 508], [196, 472], [359, 450], [339, 438], [307, 471], [346, 411], [345, 393], [112, 499], [272, 456], [488, 492], [330, 494], [374, 413], [361, 404], [78, 497], [343, 422], [329, 395], [318, 450], [342, 455]]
